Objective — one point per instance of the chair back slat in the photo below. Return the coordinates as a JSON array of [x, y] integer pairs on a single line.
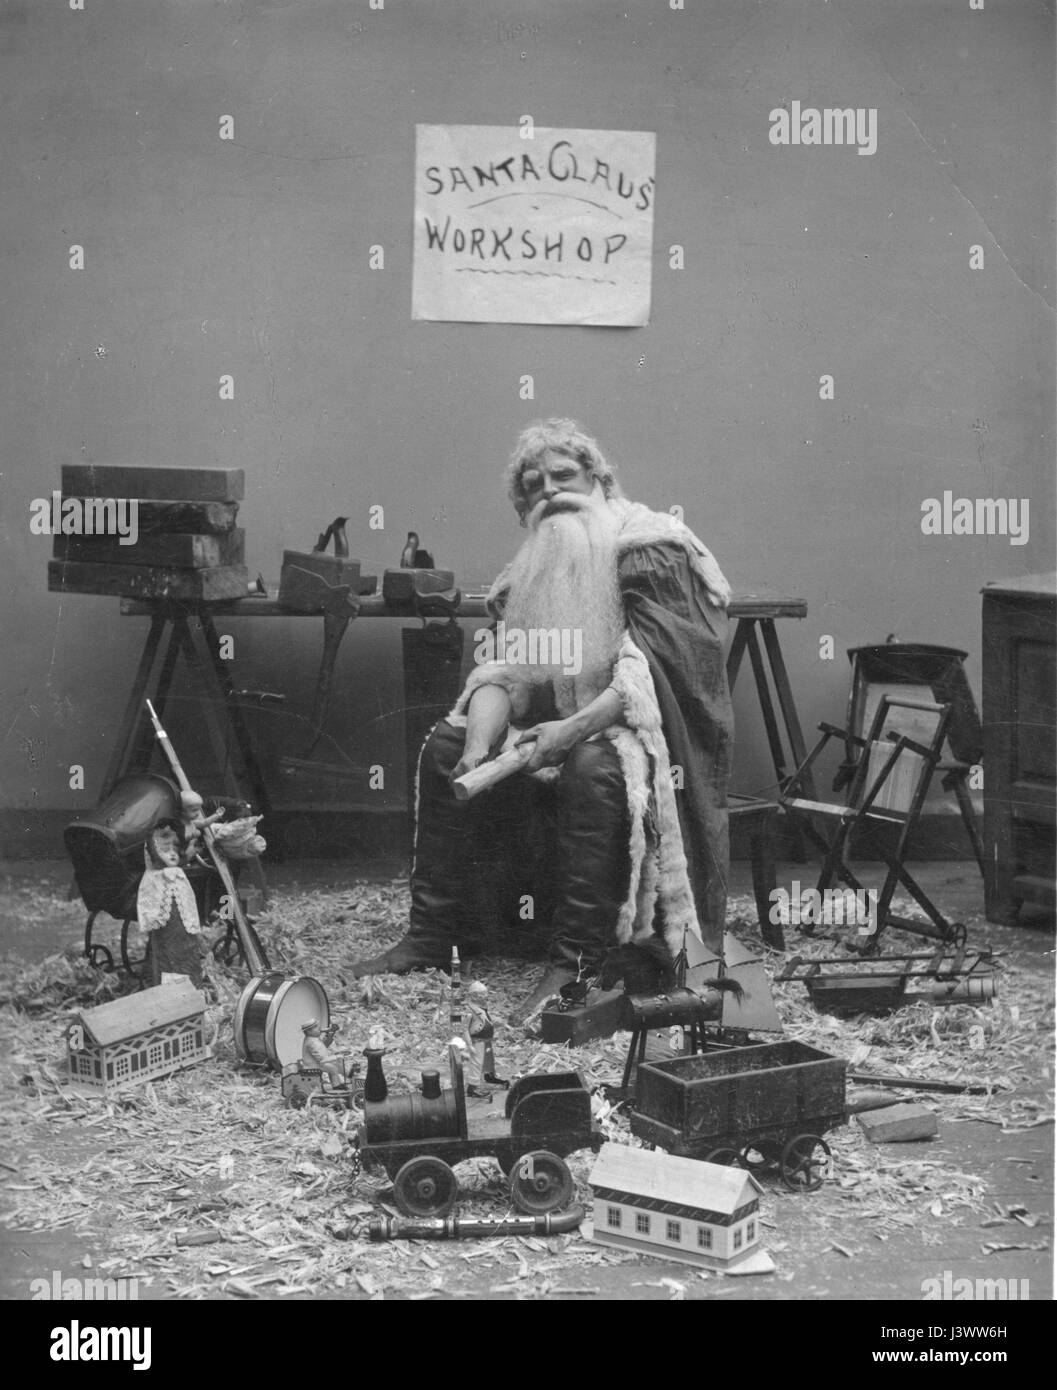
[[919, 668], [897, 791], [895, 785], [873, 694]]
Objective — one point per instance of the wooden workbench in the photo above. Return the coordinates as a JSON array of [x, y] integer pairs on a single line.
[[193, 633]]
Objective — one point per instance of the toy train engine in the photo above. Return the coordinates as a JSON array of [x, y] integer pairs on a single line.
[[418, 1138], [428, 1113]]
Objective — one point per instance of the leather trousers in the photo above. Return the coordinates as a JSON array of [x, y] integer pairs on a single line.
[[557, 853]]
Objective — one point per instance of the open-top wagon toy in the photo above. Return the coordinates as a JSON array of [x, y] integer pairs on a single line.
[[418, 1138], [757, 1106]]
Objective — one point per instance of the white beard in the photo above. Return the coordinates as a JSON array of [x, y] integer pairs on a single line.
[[565, 577]]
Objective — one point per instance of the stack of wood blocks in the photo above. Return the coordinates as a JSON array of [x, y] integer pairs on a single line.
[[187, 547]]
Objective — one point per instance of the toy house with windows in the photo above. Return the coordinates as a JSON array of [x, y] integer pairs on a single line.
[[676, 1208], [138, 1038]]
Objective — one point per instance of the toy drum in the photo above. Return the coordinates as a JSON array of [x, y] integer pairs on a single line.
[[270, 1014]]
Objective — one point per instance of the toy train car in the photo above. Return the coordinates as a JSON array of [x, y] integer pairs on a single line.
[[418, 1138], [766, 1104]]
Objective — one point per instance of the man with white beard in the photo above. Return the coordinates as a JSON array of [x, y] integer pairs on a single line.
[[616, 826]]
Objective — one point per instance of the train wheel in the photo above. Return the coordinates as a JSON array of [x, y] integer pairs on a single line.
[[729, 1158], [805, 1162], [756, 1157], [540, 1182], [425, 1187]]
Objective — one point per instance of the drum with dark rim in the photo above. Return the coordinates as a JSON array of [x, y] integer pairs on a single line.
[[270, 1014]]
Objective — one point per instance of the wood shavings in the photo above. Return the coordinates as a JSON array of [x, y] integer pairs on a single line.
[[212, 1146]]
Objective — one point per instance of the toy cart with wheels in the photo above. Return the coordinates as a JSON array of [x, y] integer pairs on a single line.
[[304, 1086], [418, 1138], [761, 1106]]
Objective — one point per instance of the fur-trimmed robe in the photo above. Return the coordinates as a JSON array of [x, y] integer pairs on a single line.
[[671, 677]]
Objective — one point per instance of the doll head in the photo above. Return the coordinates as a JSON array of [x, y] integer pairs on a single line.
[[163, 846]]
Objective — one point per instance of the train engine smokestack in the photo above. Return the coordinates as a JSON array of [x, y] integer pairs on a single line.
[[375, 1089]]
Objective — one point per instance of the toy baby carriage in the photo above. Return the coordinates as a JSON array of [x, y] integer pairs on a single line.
[[106, 848]]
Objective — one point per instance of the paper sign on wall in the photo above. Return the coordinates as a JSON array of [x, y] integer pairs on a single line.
[[556, 229]]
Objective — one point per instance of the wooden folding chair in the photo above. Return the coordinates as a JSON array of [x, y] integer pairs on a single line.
[[921, 671], [889, 782]]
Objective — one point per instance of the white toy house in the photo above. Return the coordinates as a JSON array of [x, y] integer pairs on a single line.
[[137, 1038], [675, 1208]]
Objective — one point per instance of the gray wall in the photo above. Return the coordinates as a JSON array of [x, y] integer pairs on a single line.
[[250, 258]]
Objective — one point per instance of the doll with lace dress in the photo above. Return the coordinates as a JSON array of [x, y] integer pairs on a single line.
[[166, 908]]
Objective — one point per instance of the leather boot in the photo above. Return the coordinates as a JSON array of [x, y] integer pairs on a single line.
[[438, 916], [408, 954], [464, 871], [547, 987], [593, 868]]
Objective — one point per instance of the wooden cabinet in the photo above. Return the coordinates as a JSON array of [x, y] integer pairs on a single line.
[[1020, 745]]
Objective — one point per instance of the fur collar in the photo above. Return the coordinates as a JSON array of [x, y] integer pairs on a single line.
[[639, 526]]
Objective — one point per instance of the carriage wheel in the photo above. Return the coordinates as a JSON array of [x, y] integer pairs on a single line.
[[425, 1186], [134, 967], [124, 945], [226, 949], [99, 958], [229, 950], [728, 1157], [92, 950], [241, 956], [756, 1157], [805, 1162], [540, 1182]]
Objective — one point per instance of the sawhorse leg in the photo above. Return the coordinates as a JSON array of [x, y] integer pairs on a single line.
[[770, 723], [770, 655], [213, 701], [737, 649], [129, 734], [745, 639], [234, 715], [787, 704]]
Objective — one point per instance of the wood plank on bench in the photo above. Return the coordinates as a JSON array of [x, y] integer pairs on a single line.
[[148, 581], [122, 480], [181, 550]]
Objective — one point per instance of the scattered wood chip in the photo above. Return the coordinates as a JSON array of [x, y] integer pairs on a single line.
[[198, 1238], [996, 1247]]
